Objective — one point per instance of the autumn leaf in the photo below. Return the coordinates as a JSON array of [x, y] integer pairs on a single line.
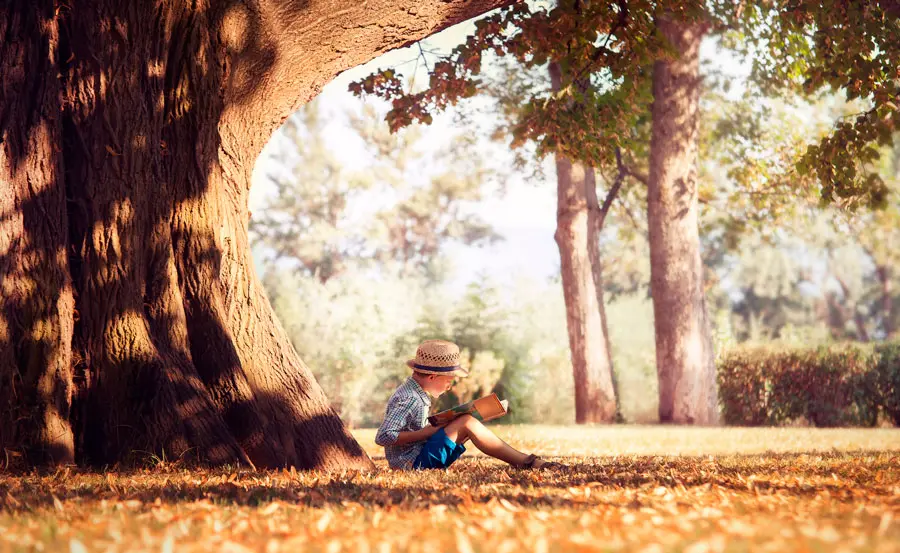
[[629, 489]]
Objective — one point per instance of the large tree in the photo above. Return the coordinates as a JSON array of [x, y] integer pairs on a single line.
[[131, 319]]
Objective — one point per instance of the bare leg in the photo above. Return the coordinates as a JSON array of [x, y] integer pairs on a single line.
[[468, 427]]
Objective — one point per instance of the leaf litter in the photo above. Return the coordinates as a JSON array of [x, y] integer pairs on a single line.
[[611, 500]]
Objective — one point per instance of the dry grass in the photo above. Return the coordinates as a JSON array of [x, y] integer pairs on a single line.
[[632, 489]]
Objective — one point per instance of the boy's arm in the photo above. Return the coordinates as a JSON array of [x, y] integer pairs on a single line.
[[395, 418], [415, 436]]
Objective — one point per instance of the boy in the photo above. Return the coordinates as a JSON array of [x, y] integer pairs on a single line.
[[410, 443]]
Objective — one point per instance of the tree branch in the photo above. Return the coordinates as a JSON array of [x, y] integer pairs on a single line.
[[282, 52], [621, 21], [632, 172], [614, 189]]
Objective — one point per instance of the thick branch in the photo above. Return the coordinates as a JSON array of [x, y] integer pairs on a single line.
[[282, 52], [634, 173]]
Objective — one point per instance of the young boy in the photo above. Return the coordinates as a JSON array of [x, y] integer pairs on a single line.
[[410, 443]]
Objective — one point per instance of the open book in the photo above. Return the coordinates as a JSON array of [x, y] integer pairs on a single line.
[[484, 409]]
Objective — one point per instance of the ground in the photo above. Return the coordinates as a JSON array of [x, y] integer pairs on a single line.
[[652, 489]]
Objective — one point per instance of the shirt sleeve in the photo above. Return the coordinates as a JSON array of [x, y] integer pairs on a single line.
[[396, 417]]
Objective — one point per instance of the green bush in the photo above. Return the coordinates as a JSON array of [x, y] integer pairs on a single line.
[[887, 377], [842, 385]]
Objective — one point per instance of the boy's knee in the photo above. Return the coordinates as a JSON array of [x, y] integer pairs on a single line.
[[469, 421], [462, 421]]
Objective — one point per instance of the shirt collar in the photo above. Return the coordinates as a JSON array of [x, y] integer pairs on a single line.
[[418, 390]]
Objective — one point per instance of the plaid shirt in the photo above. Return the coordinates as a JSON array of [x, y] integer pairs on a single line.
[[407, 410]]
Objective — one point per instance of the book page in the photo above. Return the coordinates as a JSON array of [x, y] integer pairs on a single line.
[[484, 409], [489, 407]]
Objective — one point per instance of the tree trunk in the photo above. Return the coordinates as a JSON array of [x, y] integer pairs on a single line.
[[36, 297], [132, 322], [684, 352], [577, 236], [887, 300], [595, 226]]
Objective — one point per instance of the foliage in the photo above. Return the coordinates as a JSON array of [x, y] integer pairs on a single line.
[[605, 51], [806, 46], [842, 385], [345, 330], [513, 340], [787, 266], [323, 218], [631, 489]]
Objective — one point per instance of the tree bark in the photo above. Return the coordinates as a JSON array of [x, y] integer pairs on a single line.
[[578, 238], [132, 323], [684, 351], [36, 296]]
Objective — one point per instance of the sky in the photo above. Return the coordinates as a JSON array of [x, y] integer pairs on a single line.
[[525, 216]]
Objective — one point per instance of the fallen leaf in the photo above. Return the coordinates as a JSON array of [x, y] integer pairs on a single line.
[[270, 508], [323, 522]]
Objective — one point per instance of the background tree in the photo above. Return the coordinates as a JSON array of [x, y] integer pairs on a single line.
[[578, 225], [303, 222], [323, 218], [580, 219]]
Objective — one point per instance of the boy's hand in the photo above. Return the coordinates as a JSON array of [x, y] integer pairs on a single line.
[[409, 437]]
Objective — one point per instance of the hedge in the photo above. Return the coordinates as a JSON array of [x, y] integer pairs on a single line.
[[840, 385]]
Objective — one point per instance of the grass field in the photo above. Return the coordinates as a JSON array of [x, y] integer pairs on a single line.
[[650, 489]]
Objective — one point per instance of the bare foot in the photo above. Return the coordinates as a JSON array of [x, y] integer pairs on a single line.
[[536, 463], [541, 464]]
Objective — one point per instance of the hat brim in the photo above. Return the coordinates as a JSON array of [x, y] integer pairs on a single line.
[[460, 372]]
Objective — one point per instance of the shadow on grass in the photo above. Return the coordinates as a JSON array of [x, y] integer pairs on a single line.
[[471, 481]]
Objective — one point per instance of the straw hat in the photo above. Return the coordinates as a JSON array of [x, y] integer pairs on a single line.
[[437, 357]]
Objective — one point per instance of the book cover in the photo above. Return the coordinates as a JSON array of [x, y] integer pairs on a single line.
[[484, 409]]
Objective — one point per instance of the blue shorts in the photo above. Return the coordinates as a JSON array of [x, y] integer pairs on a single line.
[[439, 452]]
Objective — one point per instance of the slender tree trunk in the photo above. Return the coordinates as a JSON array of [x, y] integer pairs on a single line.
[[131, 321], [595, 226], [577, 235], [684, 352], [887, 300], [850, 309]]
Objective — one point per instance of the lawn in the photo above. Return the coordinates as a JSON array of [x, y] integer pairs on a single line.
[[651, 489]]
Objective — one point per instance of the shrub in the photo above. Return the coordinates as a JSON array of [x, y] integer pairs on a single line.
[[841, 385], [887, 377]]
